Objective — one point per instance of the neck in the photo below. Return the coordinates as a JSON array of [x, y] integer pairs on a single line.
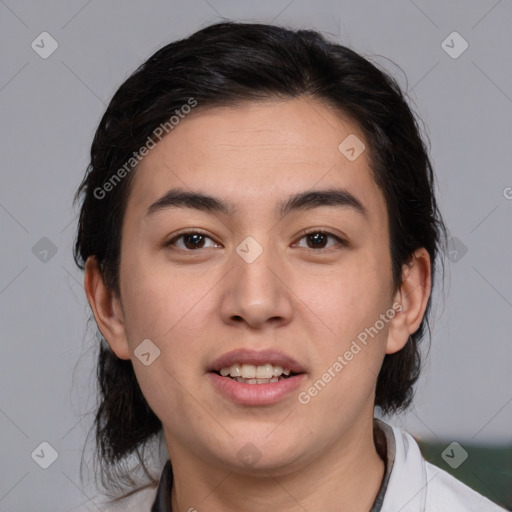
[[340, 479]]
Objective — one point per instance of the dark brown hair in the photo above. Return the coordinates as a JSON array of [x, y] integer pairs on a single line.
[[221, 65]]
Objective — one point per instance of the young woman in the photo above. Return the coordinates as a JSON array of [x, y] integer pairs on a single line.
[[260, 234]]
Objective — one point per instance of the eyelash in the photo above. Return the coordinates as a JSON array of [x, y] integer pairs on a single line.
[[339, 240]]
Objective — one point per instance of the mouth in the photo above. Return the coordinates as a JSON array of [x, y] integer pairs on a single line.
[[256, 377]]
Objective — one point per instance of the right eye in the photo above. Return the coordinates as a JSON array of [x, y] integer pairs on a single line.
[[192, 241]]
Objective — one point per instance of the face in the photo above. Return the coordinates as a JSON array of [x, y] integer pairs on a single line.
[[252, 277]]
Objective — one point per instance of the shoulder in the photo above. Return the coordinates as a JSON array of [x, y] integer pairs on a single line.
[[448, 493], [416, 485]]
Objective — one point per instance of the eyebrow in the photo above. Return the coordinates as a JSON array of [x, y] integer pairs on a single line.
[[334, 197]]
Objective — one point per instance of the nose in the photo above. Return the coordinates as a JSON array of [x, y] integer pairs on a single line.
[[257, 292]]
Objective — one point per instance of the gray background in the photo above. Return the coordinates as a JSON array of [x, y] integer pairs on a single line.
[[49, 109]]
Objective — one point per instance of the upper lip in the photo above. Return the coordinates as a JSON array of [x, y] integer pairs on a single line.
[[256, 357]]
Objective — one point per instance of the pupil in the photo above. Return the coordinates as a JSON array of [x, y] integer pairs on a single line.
[[317, 238], [198, 239]]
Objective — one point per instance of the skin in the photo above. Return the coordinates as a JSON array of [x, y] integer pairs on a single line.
[[305, 301]]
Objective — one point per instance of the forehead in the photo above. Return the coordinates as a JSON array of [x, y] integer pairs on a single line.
[[254, 155]]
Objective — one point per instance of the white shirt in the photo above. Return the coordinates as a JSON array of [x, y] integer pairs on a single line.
[[411, 484], [416, 485]]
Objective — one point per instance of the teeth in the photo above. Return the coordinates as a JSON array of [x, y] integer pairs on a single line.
[[278, 370], [249, 372], [257, 381], [264, 372], [235, 370]]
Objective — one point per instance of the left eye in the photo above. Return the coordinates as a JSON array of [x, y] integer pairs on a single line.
[[319, 238]]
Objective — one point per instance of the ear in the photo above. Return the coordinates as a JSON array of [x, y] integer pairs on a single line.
[[107, 309], [412, 296]]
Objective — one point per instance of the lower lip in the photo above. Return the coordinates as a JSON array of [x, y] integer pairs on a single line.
[[255, 394]]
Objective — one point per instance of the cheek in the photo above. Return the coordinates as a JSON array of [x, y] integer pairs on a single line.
[[159, 300], [169, 307], [347, 310], [349, 298], [167, 310], [348, 362]]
